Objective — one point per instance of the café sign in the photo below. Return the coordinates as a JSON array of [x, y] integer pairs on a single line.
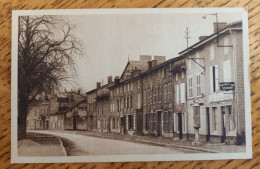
[[227, 86]]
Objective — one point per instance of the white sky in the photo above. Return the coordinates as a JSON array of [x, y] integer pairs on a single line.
[[110, 38]]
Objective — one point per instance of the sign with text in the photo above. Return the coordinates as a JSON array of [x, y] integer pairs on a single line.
[[227, 86]]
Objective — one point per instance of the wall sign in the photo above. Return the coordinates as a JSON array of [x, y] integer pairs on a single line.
[[227, 86]]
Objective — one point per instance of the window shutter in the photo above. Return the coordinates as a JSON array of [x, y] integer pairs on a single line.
[[211, 79], [177, 94], [182, 92], [216, 77]]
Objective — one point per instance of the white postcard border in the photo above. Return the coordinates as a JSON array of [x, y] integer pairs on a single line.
[[124, 158]]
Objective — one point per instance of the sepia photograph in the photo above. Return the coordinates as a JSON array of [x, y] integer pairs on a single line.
[[108, 85]]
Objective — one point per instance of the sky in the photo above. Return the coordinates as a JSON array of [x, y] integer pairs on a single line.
[[110, 39]]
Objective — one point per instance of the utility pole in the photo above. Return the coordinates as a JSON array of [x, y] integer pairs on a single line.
[[187, 36]]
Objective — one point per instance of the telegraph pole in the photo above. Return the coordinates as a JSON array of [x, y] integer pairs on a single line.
[[187, 36]]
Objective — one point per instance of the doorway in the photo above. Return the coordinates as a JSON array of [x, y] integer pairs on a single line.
[[208, 124], [159, 126], [180, 125], [74, 122], [223, 137]]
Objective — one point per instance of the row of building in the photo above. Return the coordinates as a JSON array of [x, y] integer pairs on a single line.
[[201, 92]]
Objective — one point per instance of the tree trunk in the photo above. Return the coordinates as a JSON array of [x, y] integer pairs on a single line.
[[22, 116]]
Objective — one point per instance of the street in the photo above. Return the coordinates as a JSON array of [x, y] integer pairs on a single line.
[[79, 145]]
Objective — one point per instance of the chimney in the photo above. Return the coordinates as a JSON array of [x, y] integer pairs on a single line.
[[201, 38], [152, 64], [220, 25], [117, 79], [98, 84], [160, 59], [109, 79], [145, 57]]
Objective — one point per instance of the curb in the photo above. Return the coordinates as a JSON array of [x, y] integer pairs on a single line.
[[63, 148]]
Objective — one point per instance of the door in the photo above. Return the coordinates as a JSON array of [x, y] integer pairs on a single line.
[[74, 122], [223, 138], [159, 123], [139, 122], [122, 125], [208, 124], [180, 125]]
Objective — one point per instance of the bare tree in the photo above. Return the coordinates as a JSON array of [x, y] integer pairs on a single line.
[[46, 51]]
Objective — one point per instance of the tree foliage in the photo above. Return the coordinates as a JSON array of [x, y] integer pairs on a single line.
[[46, 51]]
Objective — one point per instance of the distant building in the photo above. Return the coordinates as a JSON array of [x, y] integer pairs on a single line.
[[38, 112], [75, 118]]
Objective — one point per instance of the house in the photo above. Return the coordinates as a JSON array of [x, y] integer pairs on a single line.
[[126, 98], [216, 86], [92, 109], [38, 112], [75, 118], [103, 106], [58, 106]]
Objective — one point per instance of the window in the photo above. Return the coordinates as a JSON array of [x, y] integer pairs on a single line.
[[227, 70], [177, 77], [165, 93], [131, 101], [183, 99], [148, 96], [169, 91], [226, 43], [214, 118], [153, 95], [190, 87], [212, 52], [164, 73], [139, 101], [177, 94], [156, 95], [198, 85], [159, 94], [128, 101], [213, 78], [145, 97], [182, 74]]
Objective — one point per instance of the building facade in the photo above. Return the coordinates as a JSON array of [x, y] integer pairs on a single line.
[[216, 82]]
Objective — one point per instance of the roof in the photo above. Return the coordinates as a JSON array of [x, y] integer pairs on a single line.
[[214, 35], [65, 111], [137, 65]]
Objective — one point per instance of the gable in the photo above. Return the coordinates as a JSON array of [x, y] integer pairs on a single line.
[[127, 72]]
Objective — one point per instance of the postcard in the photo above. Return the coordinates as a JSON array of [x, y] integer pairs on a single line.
[[109, 85]]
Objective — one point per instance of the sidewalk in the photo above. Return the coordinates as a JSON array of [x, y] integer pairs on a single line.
[[40, 145], [161, 141]]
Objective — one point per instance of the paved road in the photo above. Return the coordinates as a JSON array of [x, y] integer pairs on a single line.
[[89, 145]]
